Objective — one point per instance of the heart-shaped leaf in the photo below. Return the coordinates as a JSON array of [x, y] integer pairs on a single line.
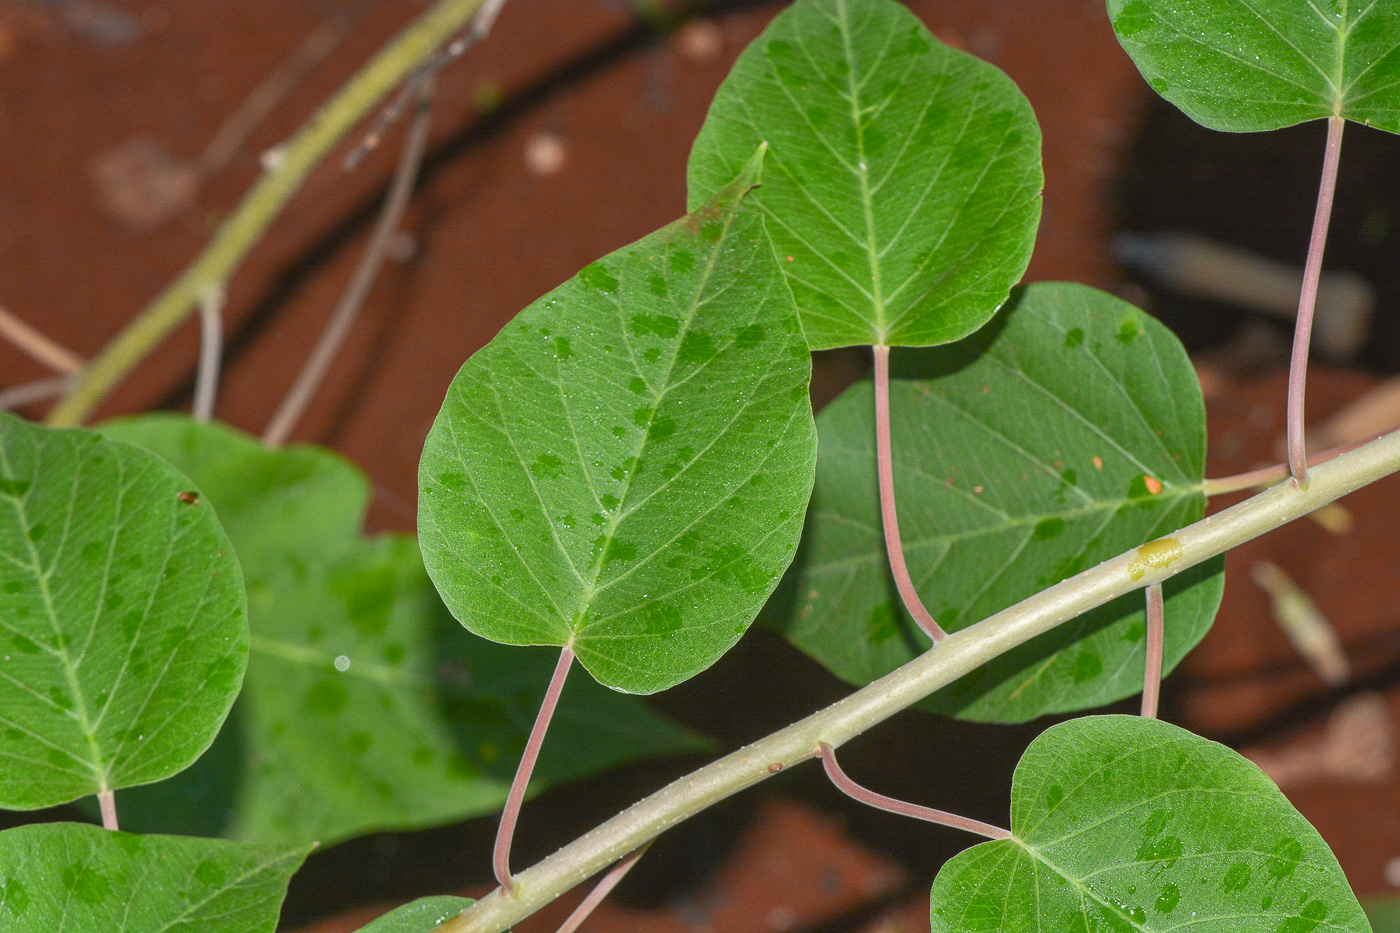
[[72, 878], [123, 631], [1066, 432], [1250, 65], [1126, 824], [625, 467], [367, 707], [903, 181], [420, 916]]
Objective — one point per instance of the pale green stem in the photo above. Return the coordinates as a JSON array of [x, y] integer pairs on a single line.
[[287, 170], [960, 653]]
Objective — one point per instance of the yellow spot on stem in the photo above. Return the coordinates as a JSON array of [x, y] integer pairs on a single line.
[[1159, 554]]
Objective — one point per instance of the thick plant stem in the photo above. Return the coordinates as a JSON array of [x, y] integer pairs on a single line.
[[291, 165], [211, 351], [1307, 302], [884, 464], [107, 803], [511, 814], [880, 802], [395, 202], [1156, 637], [604, 888], [959, 654]]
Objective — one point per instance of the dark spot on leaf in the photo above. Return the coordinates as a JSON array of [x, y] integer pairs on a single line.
[[1307, 921], [209, 873], [712, 231], [1236, 878], [657, 285], [13, 586], [621, 551], [327, 697], [454, 482], [1053, 796], [1048, 528], [750, 337], [595, 276], [86, 884], [1284, 859], [91, 552], [661, 429], [1087, 666], [547, 466], [1134, 632], [1166, 850], [1073, 338], [14, 487], [358, 743], [60, 699], [1168, 899], [883, 624], [36, 534], [658, 325], [24, 645], [637, 386], [663, 619], [189, 498], [682, 261], [697, 347]]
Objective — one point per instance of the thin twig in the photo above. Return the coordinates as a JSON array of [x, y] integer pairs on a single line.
[[246, 225], [885, 467], [604, 888], [1268, 476], [880, 802], [958, 655], [211, 349], [43, 348], [390, 215], [107, 802], [1156, 638], [1307, 302], [36, 391], [272, 90], [511, 814], [478, 29]]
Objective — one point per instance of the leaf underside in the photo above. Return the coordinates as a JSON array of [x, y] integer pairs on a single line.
[[366, 707], [420, 916], [624, 468], [902, 189], [1126, 824], [1029, 453], [123, 630], [72, 878], [1250, 65]]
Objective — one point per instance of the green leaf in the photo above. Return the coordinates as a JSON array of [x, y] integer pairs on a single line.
[[1250, 65], [625, 467], [1124, 824], [420, 916], [123, 631], [367, 707], [903, 180], [1384, 914], [1030, 454], [71, 878]]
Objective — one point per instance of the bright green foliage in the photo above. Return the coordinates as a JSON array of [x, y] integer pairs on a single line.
[[1125, 824], [625, 467], [123, 632], [366, 706], [903, 182], [71, 878], [420, 916], [1249, 65], [1066, 432]]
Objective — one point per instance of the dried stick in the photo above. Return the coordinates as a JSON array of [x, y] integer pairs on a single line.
[[885, 466], [395, 202], [42, 348], [244, 227], [211, 350], [36, 391]]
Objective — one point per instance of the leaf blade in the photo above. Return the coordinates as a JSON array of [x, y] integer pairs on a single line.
[[123, 617], [1024, 459], [878, 133], [1253, 65], [642, 533], [72, 878], [1127, 824]]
